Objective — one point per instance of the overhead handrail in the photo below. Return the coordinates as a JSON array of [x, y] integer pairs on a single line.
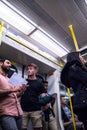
[[21, 43]]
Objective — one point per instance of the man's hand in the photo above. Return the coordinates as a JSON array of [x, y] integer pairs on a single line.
[[21, 90], [46, 106], [16, 89], [76, 118], [24, 87]]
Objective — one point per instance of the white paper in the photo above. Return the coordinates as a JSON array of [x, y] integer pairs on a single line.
[[17, 80]]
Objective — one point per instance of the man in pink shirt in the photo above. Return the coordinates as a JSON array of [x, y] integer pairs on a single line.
[[10, 109]]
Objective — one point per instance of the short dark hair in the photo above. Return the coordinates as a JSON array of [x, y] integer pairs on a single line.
[[45, 82], [2, 60], [33, 65], [62, 96]]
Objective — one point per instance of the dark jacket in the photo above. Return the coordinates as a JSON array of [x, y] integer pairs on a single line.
[[64, 116], [75, 76]]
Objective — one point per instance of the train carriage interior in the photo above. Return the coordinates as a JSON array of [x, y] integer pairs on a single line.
[[38, 31]]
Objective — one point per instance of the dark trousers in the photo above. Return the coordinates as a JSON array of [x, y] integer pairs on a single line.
[[11, 122], [82, 115]]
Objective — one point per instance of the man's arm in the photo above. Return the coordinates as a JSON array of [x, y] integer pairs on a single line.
[[47, 105], [22, 90], [4, 92], [43, 94], [67, 123]]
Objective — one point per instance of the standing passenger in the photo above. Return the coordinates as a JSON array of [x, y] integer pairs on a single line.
[[74, 75], [10, 109], [30, 99], [49, 120]]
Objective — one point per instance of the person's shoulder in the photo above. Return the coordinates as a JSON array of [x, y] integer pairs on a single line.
[[4, 76], [1, 75], [38, 80], [40, 85]]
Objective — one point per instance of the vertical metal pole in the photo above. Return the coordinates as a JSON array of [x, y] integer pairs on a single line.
[[74, 37], [71, 107], [1, 30], [77, 49]]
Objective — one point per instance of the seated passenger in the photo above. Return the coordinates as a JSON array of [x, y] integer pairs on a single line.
[[67, 117]]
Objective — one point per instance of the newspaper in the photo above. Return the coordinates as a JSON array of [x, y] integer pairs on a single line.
[[17, 80]]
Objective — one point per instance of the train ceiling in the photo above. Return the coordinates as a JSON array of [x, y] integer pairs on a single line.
[[54, 17]]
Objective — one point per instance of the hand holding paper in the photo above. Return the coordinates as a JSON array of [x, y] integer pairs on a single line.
[[24, 87], [19, 90], [16, 89], [17, 80]]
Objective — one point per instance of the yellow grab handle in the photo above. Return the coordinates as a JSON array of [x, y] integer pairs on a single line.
[[71, 107], [77, 49], [74, 37], [1, 30]]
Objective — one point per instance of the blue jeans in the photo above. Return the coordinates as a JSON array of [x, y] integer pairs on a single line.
[[11, 122]]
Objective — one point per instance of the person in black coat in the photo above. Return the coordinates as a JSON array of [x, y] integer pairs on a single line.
[[74, 74]]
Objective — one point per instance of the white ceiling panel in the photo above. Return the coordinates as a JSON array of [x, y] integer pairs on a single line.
[[54, 16]]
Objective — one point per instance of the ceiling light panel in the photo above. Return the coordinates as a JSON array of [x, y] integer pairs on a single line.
[[14, 19], [86, 1], [47, 42]]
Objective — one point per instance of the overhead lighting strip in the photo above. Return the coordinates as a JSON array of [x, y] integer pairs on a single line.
[[20, 13], [50, 44], [17, 19], [14, 19], [86, 1]]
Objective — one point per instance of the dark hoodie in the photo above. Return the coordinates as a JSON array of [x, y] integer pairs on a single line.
[[73, 56], [75, 76], [73, 72], [72, 61]]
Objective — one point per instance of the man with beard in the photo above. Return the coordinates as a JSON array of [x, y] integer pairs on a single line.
[[30, 99], [10, 109]]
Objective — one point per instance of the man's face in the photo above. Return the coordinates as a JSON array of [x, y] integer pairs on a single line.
[[6, 64], [63, 101], [46, 86], [31, 71]]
